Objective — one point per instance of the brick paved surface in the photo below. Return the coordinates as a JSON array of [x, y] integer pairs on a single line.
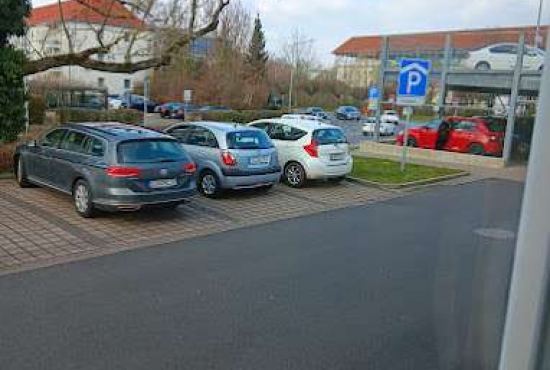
[[39, 227]]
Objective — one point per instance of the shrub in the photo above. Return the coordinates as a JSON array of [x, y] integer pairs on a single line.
[[12, 94], [37, 109], [67, 115], [244, 116]]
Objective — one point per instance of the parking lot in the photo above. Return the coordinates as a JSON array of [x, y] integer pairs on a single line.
[[40, 227]]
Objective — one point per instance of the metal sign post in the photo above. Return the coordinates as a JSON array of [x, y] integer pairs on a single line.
[[408, 111], [411, 91], [145, 98]]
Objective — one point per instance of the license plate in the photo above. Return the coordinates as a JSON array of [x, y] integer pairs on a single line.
[[164, 183], [255, 161], [337, 156]]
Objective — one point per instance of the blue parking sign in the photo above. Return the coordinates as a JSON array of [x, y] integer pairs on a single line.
[[413, 81]]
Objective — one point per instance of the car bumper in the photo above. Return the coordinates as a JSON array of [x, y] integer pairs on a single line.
[[318, 170], [129, 200], [251, 181]]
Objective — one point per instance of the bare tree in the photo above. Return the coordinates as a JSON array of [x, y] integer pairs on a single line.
[[153, 32]]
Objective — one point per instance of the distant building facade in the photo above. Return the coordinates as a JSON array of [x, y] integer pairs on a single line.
[[47, 36], [357, 60]]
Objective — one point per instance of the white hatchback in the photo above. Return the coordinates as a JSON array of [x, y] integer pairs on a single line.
[[308, 149]]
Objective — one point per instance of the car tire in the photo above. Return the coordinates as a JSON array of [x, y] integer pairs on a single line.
[[209, 184], [294, 175], [476, 149], [483, 66], [412, 142], [82, 198], [20, 174]]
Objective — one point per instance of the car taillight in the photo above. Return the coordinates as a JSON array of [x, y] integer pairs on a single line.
[[311, 149], [228, 158], [115, 171], [190, 167]]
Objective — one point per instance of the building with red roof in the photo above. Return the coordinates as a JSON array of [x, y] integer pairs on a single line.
[[357, 59]]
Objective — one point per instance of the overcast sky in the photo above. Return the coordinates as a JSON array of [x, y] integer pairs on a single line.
[[331, 22]]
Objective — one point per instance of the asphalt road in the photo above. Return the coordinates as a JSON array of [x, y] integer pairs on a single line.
[[405, 284]]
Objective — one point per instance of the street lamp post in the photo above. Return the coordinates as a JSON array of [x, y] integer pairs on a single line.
[[538, 38]]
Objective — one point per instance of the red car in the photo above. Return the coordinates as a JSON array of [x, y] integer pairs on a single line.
[[474, 135]]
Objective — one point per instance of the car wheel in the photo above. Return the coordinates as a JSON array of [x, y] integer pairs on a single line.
[[412, 142], [294, 175], [476, 149], [209, 184], [82, 196], [483, 66], [20, 174]]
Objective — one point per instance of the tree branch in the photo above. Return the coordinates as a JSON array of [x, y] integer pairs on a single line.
[[84, 58]]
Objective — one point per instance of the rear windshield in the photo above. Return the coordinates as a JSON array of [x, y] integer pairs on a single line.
[[329, 136], [495, 124], [248, 140], [150, 151]]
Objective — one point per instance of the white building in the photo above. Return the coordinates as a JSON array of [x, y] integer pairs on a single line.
[[47, 36]]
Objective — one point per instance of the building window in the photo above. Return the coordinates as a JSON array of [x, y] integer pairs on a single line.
[[127, 84], [101, 57], [101, 82]]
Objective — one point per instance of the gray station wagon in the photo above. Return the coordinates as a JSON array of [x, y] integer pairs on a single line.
[[228, 156], [108, 166]]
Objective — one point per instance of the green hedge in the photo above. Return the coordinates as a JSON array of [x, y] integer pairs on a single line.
[[245, 116], [67, 115], [12, 94]]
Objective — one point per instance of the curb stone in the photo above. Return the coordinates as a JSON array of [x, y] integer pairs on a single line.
[[407, 185]]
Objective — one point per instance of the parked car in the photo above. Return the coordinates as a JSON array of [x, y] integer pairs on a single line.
[[504, 57], [173, 110], [348, 113], [301, 116], [114, 102], [213, 108], [108, 166], [386, 128], [228, 156], [317, 112], [474, 135], [133, 101], [390, 116], [308, 149]]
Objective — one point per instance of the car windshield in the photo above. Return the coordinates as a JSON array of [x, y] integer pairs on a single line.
[[250, 139], [150, 151], [350, 109], [329, 136]]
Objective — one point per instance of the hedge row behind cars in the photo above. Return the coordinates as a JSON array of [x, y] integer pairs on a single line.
[[68, 115], [244, 116]]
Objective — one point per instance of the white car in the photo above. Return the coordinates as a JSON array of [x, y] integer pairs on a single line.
[[503, 57], [302, 116], [386, 128], [114, 103], [390, 116], [308, 149]]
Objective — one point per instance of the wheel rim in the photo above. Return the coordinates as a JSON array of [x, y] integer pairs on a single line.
[[81, 198], [293, 174], [19, 171], [412, 143], [208, 184]]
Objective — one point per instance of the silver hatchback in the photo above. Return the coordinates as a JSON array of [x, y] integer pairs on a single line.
[[228, 156]]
